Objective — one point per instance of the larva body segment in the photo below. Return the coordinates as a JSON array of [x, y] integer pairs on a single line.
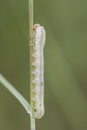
[[39, 42]]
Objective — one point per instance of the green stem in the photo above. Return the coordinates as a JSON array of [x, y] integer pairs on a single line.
[[15, 93], [31, 61]]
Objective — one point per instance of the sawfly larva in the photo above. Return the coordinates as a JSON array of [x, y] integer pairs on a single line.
[[39, 42]]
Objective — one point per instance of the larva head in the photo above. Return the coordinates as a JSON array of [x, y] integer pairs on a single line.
[[39, 113], [36, 26]]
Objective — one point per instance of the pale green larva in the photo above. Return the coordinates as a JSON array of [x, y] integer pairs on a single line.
[[39, 42]]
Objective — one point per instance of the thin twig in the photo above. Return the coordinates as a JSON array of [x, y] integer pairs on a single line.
[[31, 60]]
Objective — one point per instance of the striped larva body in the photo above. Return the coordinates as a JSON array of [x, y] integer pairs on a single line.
[[39, 42]]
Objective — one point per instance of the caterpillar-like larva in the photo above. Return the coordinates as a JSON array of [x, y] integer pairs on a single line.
[[38, 64]]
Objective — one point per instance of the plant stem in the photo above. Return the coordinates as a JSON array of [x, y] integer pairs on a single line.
[[31, 61], [15, 93]]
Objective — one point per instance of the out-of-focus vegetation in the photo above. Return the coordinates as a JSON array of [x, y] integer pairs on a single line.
[[65, 63]]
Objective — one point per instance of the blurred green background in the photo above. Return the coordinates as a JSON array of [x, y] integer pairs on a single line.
[[65, 63]]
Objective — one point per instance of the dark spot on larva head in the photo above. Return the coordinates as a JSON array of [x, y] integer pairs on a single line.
[[36, 26]]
